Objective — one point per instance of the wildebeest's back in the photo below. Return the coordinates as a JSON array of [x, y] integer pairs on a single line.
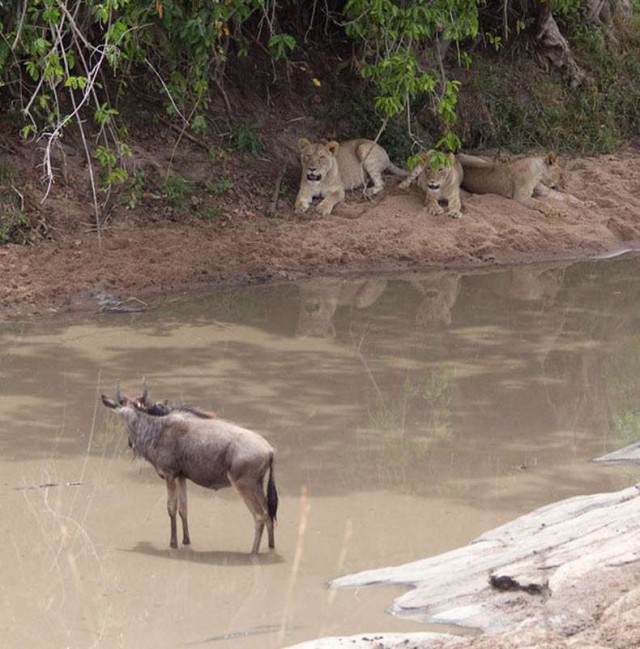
[[209, 450]]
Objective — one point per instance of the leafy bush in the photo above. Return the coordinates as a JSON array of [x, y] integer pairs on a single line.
[[247, 139], [176, 189], [69, 63], [14, 226], [395, 38], [528, 108]]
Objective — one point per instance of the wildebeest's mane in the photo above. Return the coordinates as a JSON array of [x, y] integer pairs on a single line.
[[162, 408]]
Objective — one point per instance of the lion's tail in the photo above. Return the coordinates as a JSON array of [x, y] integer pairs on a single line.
[[397, 171]]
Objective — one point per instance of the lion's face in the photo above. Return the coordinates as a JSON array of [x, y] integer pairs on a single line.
[[553, 175], [435, 180], [317, 159], [438, 182]]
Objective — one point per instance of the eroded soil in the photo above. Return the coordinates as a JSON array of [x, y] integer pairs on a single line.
[[158, 249]]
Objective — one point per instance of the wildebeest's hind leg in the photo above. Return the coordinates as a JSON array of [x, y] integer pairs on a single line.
[[182, 509], [248, 490], [172, 508], [262, 500]]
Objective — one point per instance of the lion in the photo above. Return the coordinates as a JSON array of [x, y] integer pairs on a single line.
[[329, 169], [442, 187], [519, 179]]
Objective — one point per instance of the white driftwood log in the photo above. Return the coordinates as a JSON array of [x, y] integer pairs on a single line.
[[379, 641], [565, 575], [627, 455], [535, 557]]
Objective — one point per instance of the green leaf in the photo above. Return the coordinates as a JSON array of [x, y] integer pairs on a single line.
[[281, 45]]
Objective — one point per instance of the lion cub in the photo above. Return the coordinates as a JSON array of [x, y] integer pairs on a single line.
[[442, 186], [329, 169], [517, 179]]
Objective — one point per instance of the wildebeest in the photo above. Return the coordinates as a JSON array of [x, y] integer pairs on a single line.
[[183, 443]]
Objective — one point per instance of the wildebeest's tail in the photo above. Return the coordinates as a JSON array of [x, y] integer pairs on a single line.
[[272, 494]]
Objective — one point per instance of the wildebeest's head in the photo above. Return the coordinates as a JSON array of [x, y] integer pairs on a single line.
[[130, 409], [143, 404], [121, 401]]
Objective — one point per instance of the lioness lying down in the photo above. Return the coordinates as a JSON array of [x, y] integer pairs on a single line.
[[518, 179], [442, 187], [329, 169]]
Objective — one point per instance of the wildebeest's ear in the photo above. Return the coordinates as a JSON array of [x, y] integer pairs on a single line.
[[303, 143], [108, 402]]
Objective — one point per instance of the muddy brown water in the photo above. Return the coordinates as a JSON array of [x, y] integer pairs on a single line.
[[409, 413]]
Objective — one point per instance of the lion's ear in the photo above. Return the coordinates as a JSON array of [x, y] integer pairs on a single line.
[[332, 147], [303, 143], [552, 158]]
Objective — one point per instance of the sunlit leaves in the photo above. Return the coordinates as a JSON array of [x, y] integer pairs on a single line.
[[39, 46], [394, 37], [398, 76], [32, 69], [27, 131], [104, 114], [77, 83], [448, 101], [112, 173]]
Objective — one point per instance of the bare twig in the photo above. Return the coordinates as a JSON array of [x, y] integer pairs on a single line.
[[20, 196], [20, 25], [164, 85], [225, 98], [273, 204], [413, 176], [184, 133]]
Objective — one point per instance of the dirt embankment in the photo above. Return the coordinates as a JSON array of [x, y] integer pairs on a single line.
[[154, 250]]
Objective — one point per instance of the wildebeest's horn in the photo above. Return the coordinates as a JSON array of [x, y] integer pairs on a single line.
[[145, 393]]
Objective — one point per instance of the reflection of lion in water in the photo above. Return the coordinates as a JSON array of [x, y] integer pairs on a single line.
[[518, 179], [320, 298], [328, 170], [528, 284], [439, 293]]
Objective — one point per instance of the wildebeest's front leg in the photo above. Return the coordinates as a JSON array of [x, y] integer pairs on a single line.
[[172, 508], [182, 509]]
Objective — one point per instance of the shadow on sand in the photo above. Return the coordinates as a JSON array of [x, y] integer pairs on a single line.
[[212, 557]]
